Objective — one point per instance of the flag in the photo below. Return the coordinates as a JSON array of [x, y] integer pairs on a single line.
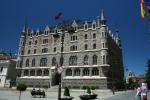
[[142, 9], [59, 69], [58, 16]]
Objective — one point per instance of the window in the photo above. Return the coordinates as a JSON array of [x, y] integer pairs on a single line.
[[45, 50], [1, 69], [33, 63], [46, 32], [103, 45], [94, 35], [32, 72], [73, 48], [94, 60], [34, 51], [95, 71], [69, 72], [43, 62], [94, 46], [94, 26], [26, 73], [77, 72], [29, 42], [73, 38], [54, 49], [35, 42], [85, 47], [85, 36], [45, 41], [28, 51], [27, 63], [54, 61], [104, 62], [39, 72], [85, 26], [85, 60], [73, 60], [46, 72], [86, 72]]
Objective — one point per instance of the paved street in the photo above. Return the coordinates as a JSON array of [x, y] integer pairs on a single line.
[[125, 96], [52, 95]]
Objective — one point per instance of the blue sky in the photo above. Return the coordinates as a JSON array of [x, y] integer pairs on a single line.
[[124, 14]]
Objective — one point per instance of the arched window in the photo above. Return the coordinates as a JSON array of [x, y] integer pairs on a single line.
[[35, 42], [86, 72], [44, 50], [73, 60], [27, 63], [46, 72], [33, 62], [69, 72], [94, 46], [85, 60], [39, 72], [85, 36], [43, 62], [77, 72], [85, 47], [94, 35], [94, 60], [95, 71], [54, 61], [32, 72], [26, 73]]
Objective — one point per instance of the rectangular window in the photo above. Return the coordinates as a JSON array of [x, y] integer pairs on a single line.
[[1, 69]]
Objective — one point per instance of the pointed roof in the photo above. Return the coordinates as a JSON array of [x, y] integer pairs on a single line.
[[102, 15]]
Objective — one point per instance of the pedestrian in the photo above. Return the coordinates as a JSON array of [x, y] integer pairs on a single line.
[[138, 93], [144, 91]]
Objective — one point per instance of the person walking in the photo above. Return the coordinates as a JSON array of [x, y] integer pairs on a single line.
[[144, 91], [138, 93]]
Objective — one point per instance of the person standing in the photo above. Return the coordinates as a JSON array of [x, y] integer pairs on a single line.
[[144, 91], [138, 93]]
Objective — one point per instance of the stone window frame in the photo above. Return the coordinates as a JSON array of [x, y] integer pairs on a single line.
[[45, 50], [33, 62], [54, 61], [73, 60], [26, 73], [32, 72], [95, 71], [46, 72], [86, 60], [86, 36], [94, 45], [68, 72], [86, 72], [86, 47], [43, 62], [77, 72], [94, 62], [27, 63], [39, 72]]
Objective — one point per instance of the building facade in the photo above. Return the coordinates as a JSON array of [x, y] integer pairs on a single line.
[[91, 55], [7, 69]]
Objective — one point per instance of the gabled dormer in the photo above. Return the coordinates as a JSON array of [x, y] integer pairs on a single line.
[[74, 25]]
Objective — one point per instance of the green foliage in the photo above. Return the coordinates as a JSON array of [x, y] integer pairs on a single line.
[[92, 87], [147, 76], [84, 87], [21, 87], [88, 90], [66, 92]]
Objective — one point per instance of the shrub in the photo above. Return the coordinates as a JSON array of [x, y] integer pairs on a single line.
[[88, 90], [66, 92]]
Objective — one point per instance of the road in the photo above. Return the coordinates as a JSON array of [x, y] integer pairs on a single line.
[[130, 95], [52, 95]]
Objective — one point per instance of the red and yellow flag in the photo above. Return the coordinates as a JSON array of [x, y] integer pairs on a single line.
[[142, 9]]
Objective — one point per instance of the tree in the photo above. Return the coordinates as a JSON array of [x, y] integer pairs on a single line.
[[147, 75], [130, 83], [66, 92], [88, 90], [21, 87], [84, 88]]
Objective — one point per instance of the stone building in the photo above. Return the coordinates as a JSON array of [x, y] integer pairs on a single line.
[[7, 69], [92, 55]]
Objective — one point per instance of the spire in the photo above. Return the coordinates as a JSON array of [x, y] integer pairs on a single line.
[[25, 27], [102, 19], [102, 15]]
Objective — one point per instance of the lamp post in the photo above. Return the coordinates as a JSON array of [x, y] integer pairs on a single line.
[[62, 35]]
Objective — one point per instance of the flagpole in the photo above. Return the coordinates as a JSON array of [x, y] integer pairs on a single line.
[[61, 64]]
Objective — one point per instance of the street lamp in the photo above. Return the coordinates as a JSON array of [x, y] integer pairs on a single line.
[[57, 35]]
